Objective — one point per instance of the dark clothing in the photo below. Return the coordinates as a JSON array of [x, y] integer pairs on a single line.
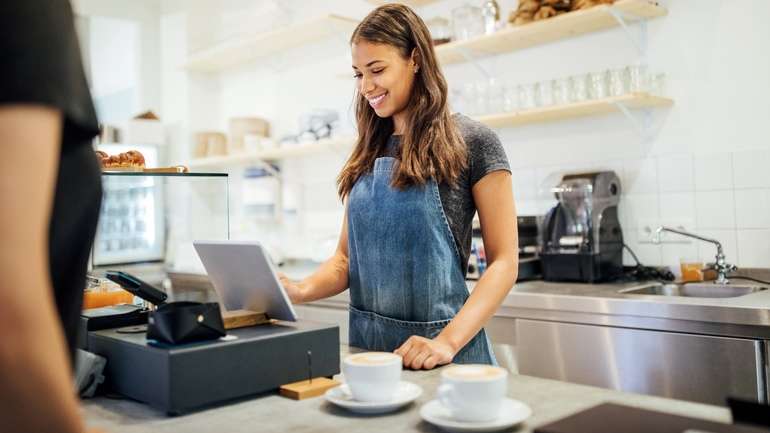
[[42, 65], [485, 155]]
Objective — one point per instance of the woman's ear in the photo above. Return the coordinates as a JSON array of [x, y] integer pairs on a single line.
[[414, 61]]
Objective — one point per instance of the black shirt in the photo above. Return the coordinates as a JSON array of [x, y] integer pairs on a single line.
[[42, 65]]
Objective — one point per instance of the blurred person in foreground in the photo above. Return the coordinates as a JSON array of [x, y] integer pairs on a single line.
[[50, 188]]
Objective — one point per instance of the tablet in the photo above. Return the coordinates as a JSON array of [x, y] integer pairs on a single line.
[[244, 278]]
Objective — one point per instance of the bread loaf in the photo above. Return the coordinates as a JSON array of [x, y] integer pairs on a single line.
[[130, 159]]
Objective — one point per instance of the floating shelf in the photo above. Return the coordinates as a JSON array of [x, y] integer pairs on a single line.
[[238, 51], [578, 109], [290, 151], [563, 26]]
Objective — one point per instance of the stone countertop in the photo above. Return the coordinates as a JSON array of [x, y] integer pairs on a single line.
[[750, 312], [550, 400]]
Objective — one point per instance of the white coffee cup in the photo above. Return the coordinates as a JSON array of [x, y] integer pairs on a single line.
[[372, 376], [473, 392]]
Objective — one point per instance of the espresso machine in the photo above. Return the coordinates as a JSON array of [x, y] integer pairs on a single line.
[[581, 236]]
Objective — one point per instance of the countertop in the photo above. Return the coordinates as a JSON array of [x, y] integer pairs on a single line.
[[604, 304], [549, 400]]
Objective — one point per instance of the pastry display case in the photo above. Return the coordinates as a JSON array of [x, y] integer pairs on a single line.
[[154, 217]]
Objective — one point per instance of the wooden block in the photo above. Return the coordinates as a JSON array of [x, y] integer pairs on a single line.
[[243, 318], [308, 389]]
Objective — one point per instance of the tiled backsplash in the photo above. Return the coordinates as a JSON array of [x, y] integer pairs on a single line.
[[725, 196]]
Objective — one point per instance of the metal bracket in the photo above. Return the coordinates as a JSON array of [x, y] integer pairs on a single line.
[[468, 56], [639, 43], [642, 122]]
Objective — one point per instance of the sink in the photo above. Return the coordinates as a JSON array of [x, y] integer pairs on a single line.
[[695, 290]]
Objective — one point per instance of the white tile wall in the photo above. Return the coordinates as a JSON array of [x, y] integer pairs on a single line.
[[751, 169], [713, 172], [752, 208], [753, 248], [715, 209], [675, 173]]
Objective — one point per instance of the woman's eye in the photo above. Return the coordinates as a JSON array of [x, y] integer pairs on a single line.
[[357, 76], [377, 71]]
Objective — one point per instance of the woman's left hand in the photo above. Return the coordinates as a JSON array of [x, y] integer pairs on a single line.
[[424, 353]]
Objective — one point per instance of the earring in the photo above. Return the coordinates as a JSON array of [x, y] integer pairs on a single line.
[[416, 69]]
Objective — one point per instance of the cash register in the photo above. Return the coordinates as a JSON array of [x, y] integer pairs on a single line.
[[181, 378]]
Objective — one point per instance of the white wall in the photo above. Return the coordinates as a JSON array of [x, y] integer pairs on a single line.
[[705, 167]]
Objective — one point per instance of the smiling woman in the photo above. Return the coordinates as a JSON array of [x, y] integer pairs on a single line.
[[411, 186]]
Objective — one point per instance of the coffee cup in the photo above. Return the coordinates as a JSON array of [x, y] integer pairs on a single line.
[[372, 376], [473, 392]]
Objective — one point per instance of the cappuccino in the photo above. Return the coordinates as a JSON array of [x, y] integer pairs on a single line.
[[373, 358], [473, 372], [372, 376]]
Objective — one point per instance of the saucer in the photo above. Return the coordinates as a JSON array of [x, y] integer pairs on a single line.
[[406, 393], [512, 412]]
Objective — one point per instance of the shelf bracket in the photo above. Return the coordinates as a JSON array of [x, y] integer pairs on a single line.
[[642, 121], [640, 42], [468, 56]]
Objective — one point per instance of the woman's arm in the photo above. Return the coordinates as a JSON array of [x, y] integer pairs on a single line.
[[497, 214], [331, 277], [36, 389]]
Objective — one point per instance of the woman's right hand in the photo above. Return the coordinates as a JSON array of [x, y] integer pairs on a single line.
[[293, 288]]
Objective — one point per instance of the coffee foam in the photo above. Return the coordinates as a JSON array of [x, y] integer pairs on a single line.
[[474, 372], [373, 358]]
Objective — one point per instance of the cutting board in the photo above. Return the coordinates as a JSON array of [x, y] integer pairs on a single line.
[[615, 418]]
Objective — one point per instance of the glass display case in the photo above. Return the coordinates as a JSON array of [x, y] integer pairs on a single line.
[[154, 217]]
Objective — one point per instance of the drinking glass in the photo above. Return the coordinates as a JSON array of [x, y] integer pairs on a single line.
[[638, 80], [527, 96], [618, 82], [544, 93], [562, 91], [598, 85], [579, 84]]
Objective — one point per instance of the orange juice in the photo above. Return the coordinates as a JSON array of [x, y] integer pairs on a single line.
[[692, 271], [105, 298]]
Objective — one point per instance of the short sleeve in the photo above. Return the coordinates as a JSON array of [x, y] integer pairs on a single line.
[[485, 151], [42, 64]]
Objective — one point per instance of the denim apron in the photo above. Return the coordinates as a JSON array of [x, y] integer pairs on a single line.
[[405, 274]]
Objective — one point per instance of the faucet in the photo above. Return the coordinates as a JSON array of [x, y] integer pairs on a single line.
[[721, 266]]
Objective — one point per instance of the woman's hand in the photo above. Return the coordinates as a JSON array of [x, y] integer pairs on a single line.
[[293, 289], [424, 353]]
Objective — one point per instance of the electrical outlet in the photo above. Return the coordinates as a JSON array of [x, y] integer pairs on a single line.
[[645, 233]]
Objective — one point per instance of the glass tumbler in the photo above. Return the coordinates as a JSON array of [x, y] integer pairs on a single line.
[[527, 96], [598, 85], [467, 22], [544, 93], [618, 82], [579, 87], [562, 91], [657, 84], [638, 80]]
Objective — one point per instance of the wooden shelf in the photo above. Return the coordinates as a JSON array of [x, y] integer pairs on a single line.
[[238, 51], [410, 3], [564, 26], [570, 111], [288, 151]]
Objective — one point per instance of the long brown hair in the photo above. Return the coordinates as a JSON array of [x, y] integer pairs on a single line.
[[431, 146]]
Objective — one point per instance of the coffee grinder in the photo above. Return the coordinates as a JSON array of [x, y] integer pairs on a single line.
[[581, 236]]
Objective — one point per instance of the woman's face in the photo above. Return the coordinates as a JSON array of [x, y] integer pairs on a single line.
[[383, 76]]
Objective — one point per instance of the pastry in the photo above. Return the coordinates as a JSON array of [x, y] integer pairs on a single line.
[[130, 159], [559, 5], [545, 12], [529, 6]]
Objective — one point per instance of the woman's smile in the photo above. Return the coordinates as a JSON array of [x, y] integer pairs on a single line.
[[376, 100]]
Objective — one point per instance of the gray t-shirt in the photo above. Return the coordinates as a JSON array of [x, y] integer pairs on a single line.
[[485, 155]]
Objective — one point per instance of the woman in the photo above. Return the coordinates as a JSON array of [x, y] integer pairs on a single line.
[[411, 187]]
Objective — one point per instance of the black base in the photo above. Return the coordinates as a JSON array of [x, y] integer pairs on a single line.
[[182, 378]]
